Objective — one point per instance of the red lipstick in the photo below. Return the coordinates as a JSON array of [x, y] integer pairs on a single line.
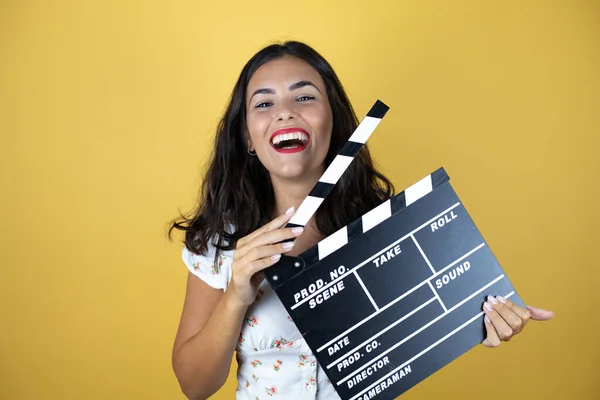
[[288, 150], [287, 130]]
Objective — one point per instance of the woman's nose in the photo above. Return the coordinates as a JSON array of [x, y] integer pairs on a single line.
[[285, 111]]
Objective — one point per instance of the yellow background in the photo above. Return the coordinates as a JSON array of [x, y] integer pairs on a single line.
[[107, 110]]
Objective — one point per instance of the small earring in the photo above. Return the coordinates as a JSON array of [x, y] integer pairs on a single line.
[[252, 153]]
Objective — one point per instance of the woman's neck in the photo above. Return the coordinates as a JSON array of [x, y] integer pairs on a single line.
[[291, 193]]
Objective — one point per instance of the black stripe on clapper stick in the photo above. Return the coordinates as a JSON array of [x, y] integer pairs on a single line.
[[338, 166]]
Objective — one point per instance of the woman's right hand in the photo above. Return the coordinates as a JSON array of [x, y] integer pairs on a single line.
[[257, 251]]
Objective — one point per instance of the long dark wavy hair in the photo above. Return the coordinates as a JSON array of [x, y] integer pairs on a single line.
[[237, 190]]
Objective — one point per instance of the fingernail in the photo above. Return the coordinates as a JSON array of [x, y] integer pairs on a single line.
[[275, 257], [492, 300], [487, 319], [288, 245], [502, 299], [289, 210], [297, 229], [487, 306]]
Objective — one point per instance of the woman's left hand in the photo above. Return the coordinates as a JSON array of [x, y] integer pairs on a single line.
[[504, 319]]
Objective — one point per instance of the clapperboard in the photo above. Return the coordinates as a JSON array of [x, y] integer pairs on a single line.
[[396, 295]]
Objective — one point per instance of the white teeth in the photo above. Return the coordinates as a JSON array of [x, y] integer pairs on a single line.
[[289, 136]]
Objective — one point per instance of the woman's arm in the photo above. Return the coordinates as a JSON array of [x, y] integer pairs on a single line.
[[208, 333], [211, 320]]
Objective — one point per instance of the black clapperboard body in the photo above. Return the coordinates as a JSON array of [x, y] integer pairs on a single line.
[[395, 295]]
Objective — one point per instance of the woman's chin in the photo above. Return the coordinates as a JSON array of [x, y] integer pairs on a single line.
[[294, 174]]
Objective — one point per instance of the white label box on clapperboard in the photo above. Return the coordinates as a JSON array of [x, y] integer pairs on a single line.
[[396, 295]]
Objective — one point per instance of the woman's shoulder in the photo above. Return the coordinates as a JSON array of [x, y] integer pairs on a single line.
[[213, 266]]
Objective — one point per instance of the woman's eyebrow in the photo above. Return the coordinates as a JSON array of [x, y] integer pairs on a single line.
[[301, 84], [294, 86], [261, 91]]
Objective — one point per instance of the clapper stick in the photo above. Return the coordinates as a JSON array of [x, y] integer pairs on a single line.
[[338, 166]]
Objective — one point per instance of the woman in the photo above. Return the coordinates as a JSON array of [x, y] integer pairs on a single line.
[[286, 120]]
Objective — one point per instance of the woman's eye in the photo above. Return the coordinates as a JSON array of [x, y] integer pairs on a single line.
[[305, 98], [263, 104]]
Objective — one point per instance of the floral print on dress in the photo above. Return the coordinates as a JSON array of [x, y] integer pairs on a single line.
[[216, 270], [196, 266], [255, 363], [282, 342], [252, 322], [311, 383], [271, 390], [277, 365], [303, 361], [259, 294]]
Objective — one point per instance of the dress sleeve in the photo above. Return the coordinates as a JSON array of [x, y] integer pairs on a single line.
[[216, 275]]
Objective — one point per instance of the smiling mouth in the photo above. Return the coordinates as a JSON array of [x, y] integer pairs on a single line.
[[289, 141]]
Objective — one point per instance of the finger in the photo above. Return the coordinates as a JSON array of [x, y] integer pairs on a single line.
[[274, 224], [539, 314], [246, 269], [269, 238], [492, 339], [260, 264], [261, 252], [508, 315], [505, 332], [523, 313]]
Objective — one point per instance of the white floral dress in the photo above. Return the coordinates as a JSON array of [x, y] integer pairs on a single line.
[[273, 359]]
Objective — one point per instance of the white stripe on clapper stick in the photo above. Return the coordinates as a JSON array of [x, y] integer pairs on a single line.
[[336, 169], [306, 210], [418, 190], [333, 242], [338, 166], [365, 129], [377, 215]]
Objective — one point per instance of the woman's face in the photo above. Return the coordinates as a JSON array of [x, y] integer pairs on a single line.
[[289, 118]]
